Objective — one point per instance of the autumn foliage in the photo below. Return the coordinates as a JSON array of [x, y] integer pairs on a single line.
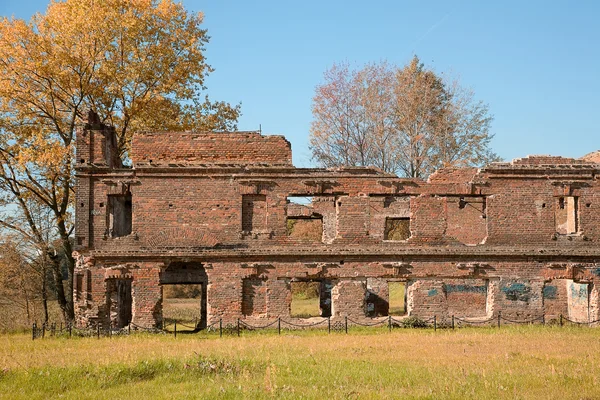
[[140, 64], [407, 120]]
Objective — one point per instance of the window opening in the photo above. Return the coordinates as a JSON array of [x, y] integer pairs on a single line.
[[566, 215], [397, 229], [119, 215], [311, 299]]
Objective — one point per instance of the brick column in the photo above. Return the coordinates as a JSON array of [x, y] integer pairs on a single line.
[[147, 295], [348, 298]]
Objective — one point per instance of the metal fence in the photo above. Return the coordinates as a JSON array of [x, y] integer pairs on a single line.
[[280, 324]]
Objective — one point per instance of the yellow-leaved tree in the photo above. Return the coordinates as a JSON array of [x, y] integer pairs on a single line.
[[139, 64]]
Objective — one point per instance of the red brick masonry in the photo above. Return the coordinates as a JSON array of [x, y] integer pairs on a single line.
[[212, 209]]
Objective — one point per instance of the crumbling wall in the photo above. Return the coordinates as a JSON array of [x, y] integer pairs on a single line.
[[466, 298], [383, 210], [555, 299], [326, 207], [279, 297], [254, 297], [377, 301], [520, 299], [428, 218], [348, 297], [578, 303], [205, 148], [470, 243], [352, 217], [426, 298], [466, 219]]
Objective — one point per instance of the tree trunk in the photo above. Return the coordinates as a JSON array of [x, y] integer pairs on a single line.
[[44, 292], [65, 307]]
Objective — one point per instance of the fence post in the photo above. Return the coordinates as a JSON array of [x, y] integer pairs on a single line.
[[70, 329], [328, 324], [435, 323], [98, 330], [561, 321], [279, 325], [390, 323], [175, 330], [499, 316], [346, 324], [129, 328], [543, 319], [220, 327], [33, 329], [238, 327], [43, 330], [453, 322]]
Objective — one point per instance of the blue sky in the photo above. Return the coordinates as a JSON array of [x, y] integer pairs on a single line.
[[536, 63]]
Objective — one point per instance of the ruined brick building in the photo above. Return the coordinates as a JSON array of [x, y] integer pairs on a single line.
[[519, 238]]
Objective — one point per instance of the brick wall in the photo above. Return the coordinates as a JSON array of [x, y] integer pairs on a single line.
[[481, 241], [234, 147]]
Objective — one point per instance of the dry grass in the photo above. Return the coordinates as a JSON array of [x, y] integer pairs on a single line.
[[14, 318], [181, 310], [305, 308], [305, 299], [512, 362]]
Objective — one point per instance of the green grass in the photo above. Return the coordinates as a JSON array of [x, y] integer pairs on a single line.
[[397, 298], [528, 362], [305, 300]]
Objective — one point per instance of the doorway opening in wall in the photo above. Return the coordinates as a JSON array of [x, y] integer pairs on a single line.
[[311, 299], [185, 297], [119, 301], [397, 298], [182, 303]]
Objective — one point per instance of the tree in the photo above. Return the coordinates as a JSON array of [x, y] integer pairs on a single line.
[[408, 120], [139, 64]]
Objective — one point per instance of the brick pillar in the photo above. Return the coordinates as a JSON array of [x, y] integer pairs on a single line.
[[224, 298], [594, 302], [147, 296], [348, 298]]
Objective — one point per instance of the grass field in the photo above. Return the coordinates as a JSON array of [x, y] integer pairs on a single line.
[[305, 300], [186, 311], [397, 298], [484, 363]]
